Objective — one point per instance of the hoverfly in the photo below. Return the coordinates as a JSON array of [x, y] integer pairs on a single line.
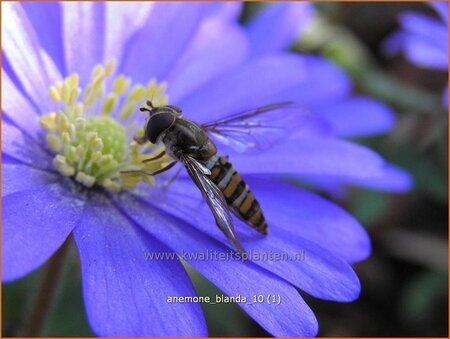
[[221, 185]]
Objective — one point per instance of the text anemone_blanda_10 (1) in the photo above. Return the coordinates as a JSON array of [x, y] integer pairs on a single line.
[[74, 76]]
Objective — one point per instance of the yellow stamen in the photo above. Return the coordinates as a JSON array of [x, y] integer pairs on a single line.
[[93, 147]]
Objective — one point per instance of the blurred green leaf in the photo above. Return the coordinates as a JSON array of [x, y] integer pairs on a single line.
[[420, 294], [68, 316], [16, 302], [428, 179], [367, 206]]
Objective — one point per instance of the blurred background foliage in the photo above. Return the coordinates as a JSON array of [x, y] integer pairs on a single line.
[[405, 281]]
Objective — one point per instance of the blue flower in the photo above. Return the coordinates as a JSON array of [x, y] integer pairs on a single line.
[[62, 154], [423, 39]]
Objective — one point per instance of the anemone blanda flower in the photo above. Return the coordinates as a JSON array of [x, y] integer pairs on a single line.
[[423, 39], [53, 184]]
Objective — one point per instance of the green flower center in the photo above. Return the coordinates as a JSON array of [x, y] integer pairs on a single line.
[[111, 133], [92, 132]]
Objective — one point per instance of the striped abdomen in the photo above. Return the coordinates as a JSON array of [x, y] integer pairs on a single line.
[[240, 199]]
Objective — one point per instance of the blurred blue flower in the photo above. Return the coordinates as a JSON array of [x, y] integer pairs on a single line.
[[423, 39], [213, 66]]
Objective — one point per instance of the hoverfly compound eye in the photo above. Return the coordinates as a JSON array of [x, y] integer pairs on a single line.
[[158, 123], [176, 110]]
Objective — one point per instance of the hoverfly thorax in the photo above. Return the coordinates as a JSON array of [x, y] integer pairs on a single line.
[[160, 120], [178, 135]]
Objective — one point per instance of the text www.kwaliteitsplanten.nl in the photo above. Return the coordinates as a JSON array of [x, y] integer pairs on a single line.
[[228, 255]]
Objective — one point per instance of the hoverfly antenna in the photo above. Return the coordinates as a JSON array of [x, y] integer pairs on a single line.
[[145, 109], [150, 107]]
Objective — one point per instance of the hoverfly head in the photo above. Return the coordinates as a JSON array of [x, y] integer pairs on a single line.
[[161, 119]]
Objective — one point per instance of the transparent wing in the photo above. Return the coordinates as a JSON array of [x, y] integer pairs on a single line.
[[214, 198], [256, 130]]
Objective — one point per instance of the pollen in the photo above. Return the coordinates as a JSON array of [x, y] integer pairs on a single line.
[[92, 130]]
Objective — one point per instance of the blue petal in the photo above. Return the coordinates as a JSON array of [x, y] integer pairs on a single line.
[[320, 156], [420, 52], [46, 20], [18, 109], [445, 97], [251, 85], [83, 37], [235, 278], [321, 81], [35, 223], [216, 43], [278, 25], [225, 10], [19, 146], [429, 29], [298, 213], [328, 185], [357, 116], [125, 294], [153, 50], [441, 8], [6, 159], [8, 70], [17, 177], [394, 43], [122, 20], [30, 63], [321, 274], [424, 41], [392, 179]]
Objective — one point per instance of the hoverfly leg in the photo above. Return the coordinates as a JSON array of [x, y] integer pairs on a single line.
[[168, 167], [172, 179], [159, 155], [140, 140], [136, 171]]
